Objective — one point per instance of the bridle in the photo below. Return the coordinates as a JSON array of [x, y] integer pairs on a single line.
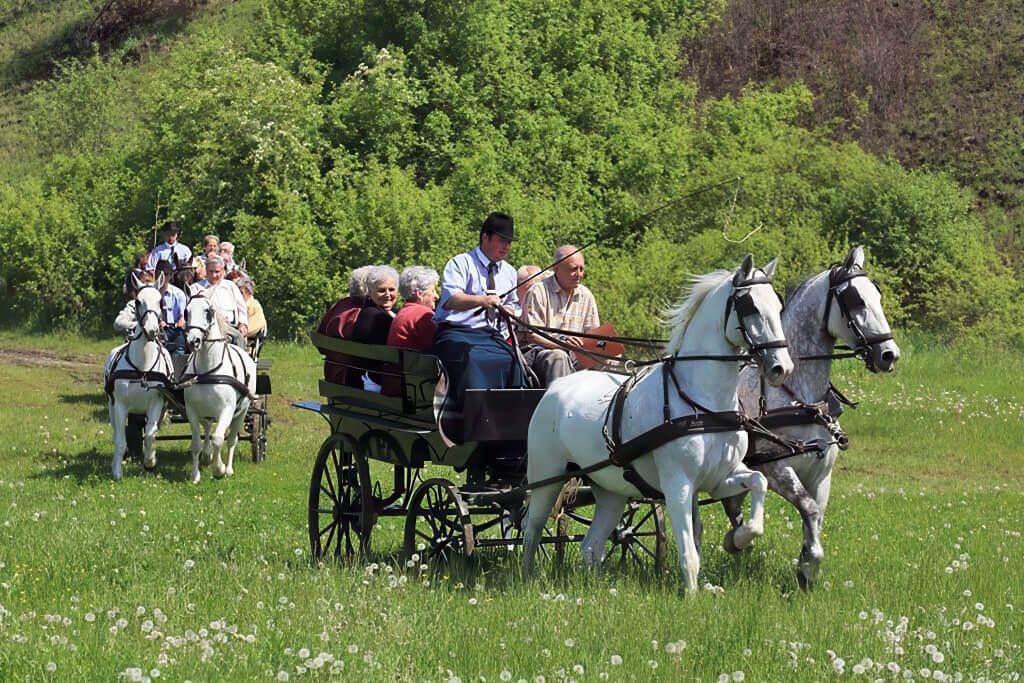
[[742, 301], [849, 302], [140, 316], [203, 329]]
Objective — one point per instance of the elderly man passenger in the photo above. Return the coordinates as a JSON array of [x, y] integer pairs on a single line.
[[228, 300], [563, 302], [413, 327], [374, 321]]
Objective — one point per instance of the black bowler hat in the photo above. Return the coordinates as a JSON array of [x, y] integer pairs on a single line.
[[171, 227], [500, 224]]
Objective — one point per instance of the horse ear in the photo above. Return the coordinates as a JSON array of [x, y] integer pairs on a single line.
[[743, 273], [769, 269], [136, 283], [160, 279], [855, 259], [241, 265]]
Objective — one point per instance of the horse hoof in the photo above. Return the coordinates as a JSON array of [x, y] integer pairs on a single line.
[[729, 543], [205, 459], [230, 472], [805, 585], [195, 478], [150, 465]]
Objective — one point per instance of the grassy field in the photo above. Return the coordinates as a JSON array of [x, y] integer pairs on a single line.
[[154, 577]]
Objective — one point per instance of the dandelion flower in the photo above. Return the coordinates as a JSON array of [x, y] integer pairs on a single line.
[[616, 660], [51, 666], [282, 676], [303, 653], [505, 675], [738, 675]]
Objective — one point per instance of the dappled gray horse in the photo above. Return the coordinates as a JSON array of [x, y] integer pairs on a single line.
[[840, 303]]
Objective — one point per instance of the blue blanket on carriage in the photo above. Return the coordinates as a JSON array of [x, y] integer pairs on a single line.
[[475, 358]]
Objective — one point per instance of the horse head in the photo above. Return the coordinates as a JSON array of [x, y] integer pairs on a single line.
[[857, 317], [753, 320], [149, 308], [200, 319]]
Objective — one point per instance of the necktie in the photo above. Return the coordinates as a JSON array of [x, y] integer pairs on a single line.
[[492, 268]]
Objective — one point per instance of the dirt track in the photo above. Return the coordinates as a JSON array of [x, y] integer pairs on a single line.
[[37, 358]]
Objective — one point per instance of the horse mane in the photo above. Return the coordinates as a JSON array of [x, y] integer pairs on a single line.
[[678, 317]]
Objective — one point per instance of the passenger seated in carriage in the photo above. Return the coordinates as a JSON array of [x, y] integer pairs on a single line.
[[253, 308], [227, 252], [473, 347], [560, 301], [413, 327], [374, 320], [228, 301], [339, 322], [172, 324]]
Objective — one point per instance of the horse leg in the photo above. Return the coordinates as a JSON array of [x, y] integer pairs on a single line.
[[538, 510], [232, 441], [118, 418], [681, 503], [207, 457], [197, 446], [742, 536], [608, 507], [224, 421], [156, 408], [783, 480], [733, 506]]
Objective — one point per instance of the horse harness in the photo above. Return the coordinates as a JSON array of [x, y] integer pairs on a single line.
[[212, 376], [159, 380], [827, 410], [702, 420]]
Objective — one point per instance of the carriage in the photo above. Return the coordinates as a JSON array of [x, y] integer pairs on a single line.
[[257, 418], [382, 456]]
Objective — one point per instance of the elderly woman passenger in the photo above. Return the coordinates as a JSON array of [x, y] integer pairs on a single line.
[[375, 318], [413, 327]]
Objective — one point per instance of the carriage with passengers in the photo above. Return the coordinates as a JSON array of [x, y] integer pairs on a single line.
[[375, 460], [726, 411], [227, 387]]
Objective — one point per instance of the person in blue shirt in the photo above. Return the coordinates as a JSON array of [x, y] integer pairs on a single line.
[[174, 302], [170, 247], [472, 346]]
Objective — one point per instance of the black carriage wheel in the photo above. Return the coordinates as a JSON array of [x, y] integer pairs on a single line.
[[258, 437], [335, 506], [639, 539], [437, 526]]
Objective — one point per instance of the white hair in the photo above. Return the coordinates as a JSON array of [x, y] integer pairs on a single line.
[[215, 259], [357, 282], [564, 251], [377, 275], [417, 279], [525, 272], [227, 245]]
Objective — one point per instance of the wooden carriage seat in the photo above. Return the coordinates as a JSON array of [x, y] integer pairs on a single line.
[[409, 377]]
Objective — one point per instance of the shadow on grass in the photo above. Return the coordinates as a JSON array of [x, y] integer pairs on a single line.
[[100, 414], [92, 466]]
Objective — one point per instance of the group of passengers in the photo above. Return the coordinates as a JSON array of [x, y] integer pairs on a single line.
[[179, 274], [474, 347]]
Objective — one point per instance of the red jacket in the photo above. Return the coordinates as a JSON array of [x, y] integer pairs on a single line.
[[413, 328], [338, 322]]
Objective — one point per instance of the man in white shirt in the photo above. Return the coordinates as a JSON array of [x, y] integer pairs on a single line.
[[228, 300], [170, 247]]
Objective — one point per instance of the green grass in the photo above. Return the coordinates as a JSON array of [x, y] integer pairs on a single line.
[[924, 524]]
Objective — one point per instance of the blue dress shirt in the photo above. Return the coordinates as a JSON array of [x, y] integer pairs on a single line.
[[467, 273], [163, 251], [174, 304]]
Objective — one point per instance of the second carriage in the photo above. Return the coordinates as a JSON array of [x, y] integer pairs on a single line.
[[372, 465]]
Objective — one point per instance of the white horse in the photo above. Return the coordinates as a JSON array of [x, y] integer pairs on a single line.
[[133, 372], [721, 313], [840, 303], [220, 382]]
